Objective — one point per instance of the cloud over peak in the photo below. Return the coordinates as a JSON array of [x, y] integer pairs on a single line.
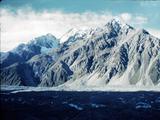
[[23, 26]]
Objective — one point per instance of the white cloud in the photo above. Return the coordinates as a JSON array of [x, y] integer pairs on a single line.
[[134, 20], [126, 17], [139, 20], [26, 25], [154, 32]]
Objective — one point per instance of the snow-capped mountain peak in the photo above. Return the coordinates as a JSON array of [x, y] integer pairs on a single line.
[[117, 21], [113, 27], [72, 34], [118, 25], [47, 41], [23, 52], [114, 54], [44, 43]]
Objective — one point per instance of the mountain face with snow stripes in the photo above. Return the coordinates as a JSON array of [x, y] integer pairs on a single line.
[[115, 54]]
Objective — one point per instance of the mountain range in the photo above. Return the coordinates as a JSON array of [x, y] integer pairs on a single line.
[[114, 54]]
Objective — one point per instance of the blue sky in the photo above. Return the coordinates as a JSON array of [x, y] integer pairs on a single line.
[[69, 14], [148, 8]]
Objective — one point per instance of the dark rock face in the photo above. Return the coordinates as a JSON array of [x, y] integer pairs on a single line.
[[18, 74], [58, 74], [113, 54], [9, 59]]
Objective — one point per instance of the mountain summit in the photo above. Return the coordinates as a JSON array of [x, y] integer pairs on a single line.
[[115, 54]]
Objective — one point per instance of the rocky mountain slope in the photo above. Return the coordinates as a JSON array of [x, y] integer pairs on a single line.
[[115, 54], [24, 52]]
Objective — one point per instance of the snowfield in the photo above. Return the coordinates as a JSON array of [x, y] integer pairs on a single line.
[[15, 89]]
